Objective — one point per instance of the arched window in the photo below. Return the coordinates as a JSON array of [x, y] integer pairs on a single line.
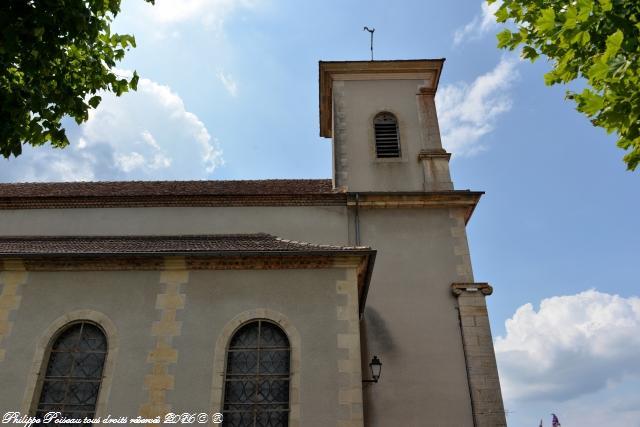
[[256, 382], [74, 372], [387, 135]]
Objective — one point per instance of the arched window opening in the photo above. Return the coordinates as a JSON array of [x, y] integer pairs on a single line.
[[73, 374], [387, 135], [256, 391]]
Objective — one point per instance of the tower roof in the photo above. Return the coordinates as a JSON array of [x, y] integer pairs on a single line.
[[409, 69]]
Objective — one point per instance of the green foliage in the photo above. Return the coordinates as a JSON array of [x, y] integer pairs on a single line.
[[595, 40], [55, 55]]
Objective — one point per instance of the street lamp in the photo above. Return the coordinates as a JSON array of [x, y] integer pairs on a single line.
[[376, 367]]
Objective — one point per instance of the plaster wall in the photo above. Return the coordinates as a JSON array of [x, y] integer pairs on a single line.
[[127, 298], [308, 299], [316, 224], [411, 321], [356, 103]]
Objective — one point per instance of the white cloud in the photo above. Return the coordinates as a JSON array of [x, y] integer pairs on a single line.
[[469, 111], [169, 20], [571, 347], [479, 25], [129, 162], [212, 13], [229, 83], [147, 134]]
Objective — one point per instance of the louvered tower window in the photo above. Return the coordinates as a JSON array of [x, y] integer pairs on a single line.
[[74, 372], [387, 136], [256, 382]]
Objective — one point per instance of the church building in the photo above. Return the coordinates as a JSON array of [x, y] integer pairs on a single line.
[[347, 301]]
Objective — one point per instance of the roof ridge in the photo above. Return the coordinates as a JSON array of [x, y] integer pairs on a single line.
[[320, 245]]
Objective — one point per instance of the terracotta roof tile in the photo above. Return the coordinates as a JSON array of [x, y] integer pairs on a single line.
[[167, 188], [200, 244]]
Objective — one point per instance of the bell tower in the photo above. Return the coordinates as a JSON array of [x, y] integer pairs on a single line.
[[425, 317], [382, 119]]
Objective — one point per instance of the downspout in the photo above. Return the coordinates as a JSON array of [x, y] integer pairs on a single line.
[[466, 367], [357, 219]]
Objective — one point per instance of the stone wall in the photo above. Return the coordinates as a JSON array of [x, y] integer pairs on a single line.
[[484, 384]]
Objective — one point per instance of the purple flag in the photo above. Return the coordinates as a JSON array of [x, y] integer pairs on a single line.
[[554, 421]]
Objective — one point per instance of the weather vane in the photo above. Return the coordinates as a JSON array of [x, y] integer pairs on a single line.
[[371, 32]]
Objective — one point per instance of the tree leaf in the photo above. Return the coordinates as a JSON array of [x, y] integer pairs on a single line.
[[133, 84], [94, 101], [530, 53], [598, 70], [582, 38], [606, 5], [571, 18], [504, 38], [590, 103], [547, 20], [596, 40], [56, 57], [584, 9], [614, 41], [502, 14]]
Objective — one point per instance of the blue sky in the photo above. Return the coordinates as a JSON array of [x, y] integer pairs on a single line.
[[229, 91]]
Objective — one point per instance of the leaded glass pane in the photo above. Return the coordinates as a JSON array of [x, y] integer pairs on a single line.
[[53, 392], [92, 339], [272, 336], [273, 390], [241, 390], [59, 364], [272, 419], [68, 339], [74, 372], [238, 419], [246, 337], [274, 362], [85, 393], [88, 365], [242, 362], [257, 377]]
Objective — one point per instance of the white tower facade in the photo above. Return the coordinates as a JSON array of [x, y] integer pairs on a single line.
[[426, 317], [354, 95]]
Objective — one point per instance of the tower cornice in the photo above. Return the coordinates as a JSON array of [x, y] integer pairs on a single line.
[[464, 199]]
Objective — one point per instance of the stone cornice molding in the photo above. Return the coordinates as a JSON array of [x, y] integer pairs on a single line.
[[435, 199], [427, 91], [454, 198], [481, 287], [72, 202], [433, 153], [192, 262]]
